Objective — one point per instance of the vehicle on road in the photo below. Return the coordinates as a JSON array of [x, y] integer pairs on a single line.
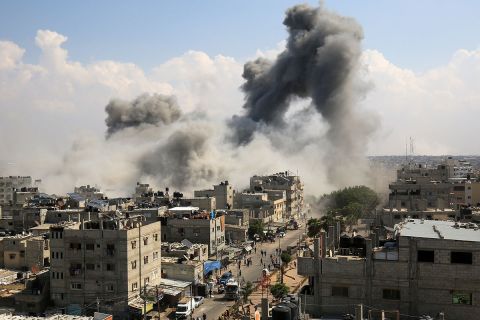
[[198, 300], [232, 290], [185, 308], [281, 234], [225, 277]]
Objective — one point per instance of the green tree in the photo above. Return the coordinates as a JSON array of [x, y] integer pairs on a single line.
[[247, 290], [314, 227], [256, 227], [286, 257], [279, 290]]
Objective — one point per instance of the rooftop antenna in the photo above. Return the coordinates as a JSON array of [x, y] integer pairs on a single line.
[[406, 151], [412, 146]]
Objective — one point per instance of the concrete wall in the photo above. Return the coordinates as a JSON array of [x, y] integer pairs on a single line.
[[424, 287]]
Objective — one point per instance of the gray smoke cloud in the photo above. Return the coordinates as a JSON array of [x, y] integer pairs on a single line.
[[182, 160], [320, 62], [146, 109]]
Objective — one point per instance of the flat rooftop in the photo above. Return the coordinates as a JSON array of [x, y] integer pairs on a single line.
[[432, 229], [184, 209]]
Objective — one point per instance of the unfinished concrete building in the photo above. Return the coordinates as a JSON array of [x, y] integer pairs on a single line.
[[287, 182], [113, 259], [427, 267]]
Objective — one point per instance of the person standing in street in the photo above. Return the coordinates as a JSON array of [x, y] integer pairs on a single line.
[[204, 316]]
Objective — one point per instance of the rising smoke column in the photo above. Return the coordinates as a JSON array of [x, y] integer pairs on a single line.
[[146, 109], [320, 62]]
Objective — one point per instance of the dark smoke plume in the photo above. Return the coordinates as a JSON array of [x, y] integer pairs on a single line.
[[320, 62], [145, 109], [180, 162]]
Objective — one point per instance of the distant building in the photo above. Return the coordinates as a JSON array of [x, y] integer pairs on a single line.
[[196, 226], [89, 192], [260, 207], [426, 268], [9, 184], [112, 260], [203, 203], [222, 192], [287, 182], [24, 252]]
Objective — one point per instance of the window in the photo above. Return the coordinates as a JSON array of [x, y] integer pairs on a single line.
[[134, 286], [22, 253], [110, 249], [134, 244], [155, 237], [397, 216], [145, 259], [109, 288], [145, 241], [90, 266], [110, 267], [75, 286], [146, 281], [134, 264], [75, 246], [461, 257], [90, 246], [155, 255], [426, 256], [339, 291], [461, 298], [12, 256], [391, 294]]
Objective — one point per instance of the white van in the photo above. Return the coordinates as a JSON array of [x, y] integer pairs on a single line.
[[185, 308]]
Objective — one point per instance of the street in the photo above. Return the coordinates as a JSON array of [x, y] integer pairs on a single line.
[[214, 307]]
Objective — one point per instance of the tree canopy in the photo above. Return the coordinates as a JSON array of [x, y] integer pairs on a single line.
[[279, 290], [345, 206], [256, 227]]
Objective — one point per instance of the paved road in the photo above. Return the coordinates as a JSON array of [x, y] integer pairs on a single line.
[[214, 307]]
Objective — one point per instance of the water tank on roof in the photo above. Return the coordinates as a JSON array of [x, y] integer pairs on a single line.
[[281, 312], [359, 241], [345, 241]]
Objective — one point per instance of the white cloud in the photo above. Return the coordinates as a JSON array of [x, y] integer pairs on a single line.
[[52, 123], [438, 108], [10, 55]]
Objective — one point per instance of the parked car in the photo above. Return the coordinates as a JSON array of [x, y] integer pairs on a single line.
[[198, 300], [225, 277], [281, 234], [185, 308]]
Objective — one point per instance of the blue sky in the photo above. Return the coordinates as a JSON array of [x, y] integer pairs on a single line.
[[412, 34]]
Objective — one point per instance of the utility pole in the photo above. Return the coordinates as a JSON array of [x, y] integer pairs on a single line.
[[158, 302], [144, 302]]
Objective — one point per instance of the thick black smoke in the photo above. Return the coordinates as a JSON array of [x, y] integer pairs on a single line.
[[145, 109], [320, 62]]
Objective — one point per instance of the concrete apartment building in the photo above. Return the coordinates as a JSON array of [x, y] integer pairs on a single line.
[[195, 226], [427, 268], [286, 181], [419, 187], [24, 252], [187, 270], [9, 184], [222, 192], [113, 260], [89, 192], [260, 207]]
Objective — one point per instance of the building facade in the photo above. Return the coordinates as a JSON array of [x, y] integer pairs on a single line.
[[112, 260], [427, 268]]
